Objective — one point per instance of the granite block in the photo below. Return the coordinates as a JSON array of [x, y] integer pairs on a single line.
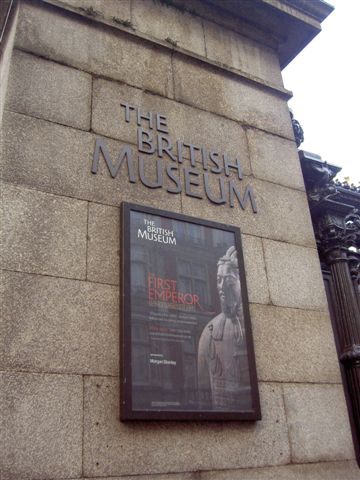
[[256, 280], [103, 244], [165, 22], [282, 213], [314, 471], [274, 159], [174, 476], [41, 426], [226, 19], [232, 97], [109, 9], [36, 87], [58, 159], [237, 51], [95, 48], [294, 345], [43, 233], [294, 276], [318, 422], [6, 54], [113, 448], [59, 325]]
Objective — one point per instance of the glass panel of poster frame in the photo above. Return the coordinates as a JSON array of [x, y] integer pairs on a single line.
[[185, 333]]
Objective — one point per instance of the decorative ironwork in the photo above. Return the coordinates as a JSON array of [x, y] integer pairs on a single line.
[[345, 184], [338, 231], [335, 212], [354, 265], [298, 131]]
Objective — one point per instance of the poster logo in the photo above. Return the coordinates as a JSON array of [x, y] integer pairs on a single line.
[[156, 234]]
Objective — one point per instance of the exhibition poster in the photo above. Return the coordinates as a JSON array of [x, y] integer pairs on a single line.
[[187, 349]]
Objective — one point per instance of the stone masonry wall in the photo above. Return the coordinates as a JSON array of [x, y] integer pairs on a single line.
[[59, 357]]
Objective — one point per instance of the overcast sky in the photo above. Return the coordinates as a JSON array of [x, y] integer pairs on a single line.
[[325, 81]]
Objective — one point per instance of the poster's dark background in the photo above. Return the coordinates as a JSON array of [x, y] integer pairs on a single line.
[[165, 335]]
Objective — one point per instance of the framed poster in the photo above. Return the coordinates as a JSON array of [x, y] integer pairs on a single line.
[[186, 342]]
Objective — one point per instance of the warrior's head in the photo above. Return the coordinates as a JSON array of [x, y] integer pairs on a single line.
[[228, 283]]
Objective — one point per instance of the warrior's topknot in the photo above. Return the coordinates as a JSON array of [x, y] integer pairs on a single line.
[[229, 257]]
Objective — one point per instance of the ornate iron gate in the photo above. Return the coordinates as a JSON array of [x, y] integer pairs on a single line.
[[335, 213]]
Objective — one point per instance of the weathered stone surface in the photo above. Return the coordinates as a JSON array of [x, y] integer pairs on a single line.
[[171, 476], [185, 123], [43, 233], [57, 325], [162, 476], [6, 54], [207, 11], [36, 87], [274, 159], [315, 471], [58, 159], [231, 97], [294, 276], [103, 244], [228, 47], [283, 213], [113, 448], [168, 23], [256, 280], [41, 426], [294, 345], [98, 8], [93, 48], [318, 423]]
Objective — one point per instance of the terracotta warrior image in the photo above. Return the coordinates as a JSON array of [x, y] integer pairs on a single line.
[[223, 379]]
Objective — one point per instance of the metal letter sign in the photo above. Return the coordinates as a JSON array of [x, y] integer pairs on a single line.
[[186, 343], [206, 173]]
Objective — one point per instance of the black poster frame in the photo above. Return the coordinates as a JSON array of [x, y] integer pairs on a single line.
[[126, 389]]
